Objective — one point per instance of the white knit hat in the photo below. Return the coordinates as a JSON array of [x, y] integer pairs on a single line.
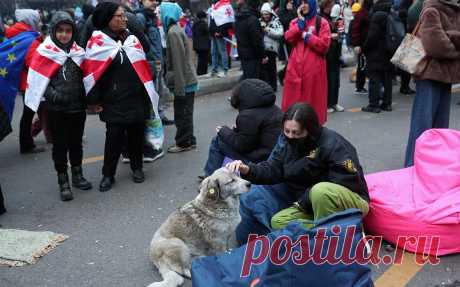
[[267, 8]]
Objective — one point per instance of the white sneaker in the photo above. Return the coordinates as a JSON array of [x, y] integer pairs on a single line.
[[330, 110], [221, 75], [124, 159], [338, 108]]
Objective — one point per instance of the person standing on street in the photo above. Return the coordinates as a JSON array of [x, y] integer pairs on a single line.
[[180, 76], [220, 22], [440, 35], [273, 32], [306, 74], [64, 94], [201, 42], [118, 84], [249, 37]]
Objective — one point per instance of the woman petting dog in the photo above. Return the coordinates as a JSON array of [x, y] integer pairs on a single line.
[[318, 165]]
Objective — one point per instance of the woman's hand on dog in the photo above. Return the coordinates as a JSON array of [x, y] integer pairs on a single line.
[[238, 166]]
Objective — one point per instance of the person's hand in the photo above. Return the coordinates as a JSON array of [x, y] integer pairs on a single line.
[[158, 66], [95, 108], [334, 36], [357, 50], [216, 34], [310, 30], [218, 128], [299, 13], [238, 166], [265, 60]]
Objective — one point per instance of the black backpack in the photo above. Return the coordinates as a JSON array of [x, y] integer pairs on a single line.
[[395, 32]]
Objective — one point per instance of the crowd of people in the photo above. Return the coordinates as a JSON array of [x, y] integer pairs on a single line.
[[122, 63]]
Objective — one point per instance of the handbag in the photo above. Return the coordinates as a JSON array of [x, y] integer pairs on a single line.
[[410, 55]]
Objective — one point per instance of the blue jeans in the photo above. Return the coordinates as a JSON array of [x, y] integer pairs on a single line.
[[431, 109], [218, 150], [218, 50]]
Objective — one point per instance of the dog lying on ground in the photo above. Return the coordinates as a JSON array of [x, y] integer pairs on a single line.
[[204, 226]]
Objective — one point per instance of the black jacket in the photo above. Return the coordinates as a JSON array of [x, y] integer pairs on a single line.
[[378, 58], [222, 29], [5, 126], [201, 40], [120, 92], [65, 92], [324, 157], [249, 35], [258, 124]]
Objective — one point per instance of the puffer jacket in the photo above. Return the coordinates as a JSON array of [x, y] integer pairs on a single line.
[[325, 156], [120, 92], [65, 91], [273, 33], [258, 123], [440, 35]]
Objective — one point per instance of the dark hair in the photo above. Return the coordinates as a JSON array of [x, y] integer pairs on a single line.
[[305, 115]]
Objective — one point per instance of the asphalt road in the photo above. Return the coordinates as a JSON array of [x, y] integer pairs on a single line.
[[109, 233]]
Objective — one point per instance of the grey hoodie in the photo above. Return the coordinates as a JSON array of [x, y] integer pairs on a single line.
[[28, 16]]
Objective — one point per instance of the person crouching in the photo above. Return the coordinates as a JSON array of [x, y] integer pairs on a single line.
[[56, 76]]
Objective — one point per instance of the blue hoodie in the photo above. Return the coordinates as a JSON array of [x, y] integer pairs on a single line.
[[313, 8], [170, 13]]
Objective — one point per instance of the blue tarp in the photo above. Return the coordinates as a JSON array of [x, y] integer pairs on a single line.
[[257, 207]]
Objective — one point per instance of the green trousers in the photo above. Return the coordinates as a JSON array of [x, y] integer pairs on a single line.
[[326, 198]]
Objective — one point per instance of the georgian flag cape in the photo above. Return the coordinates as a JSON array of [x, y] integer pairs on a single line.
[[45, 63], [222, 12], [101, 50]]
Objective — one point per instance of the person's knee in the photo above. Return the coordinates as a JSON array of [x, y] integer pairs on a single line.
[[320, 192]]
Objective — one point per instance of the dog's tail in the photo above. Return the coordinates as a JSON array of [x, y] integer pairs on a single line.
[[170, 278]]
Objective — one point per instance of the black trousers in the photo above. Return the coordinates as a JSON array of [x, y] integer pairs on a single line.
[[251, 69], [183, 117], [405, 79], [67, 130], [333, 81], [114, 138], [2, 202], [26, 142], [203, 60], [268, 71], [361, 72], [376, 80]]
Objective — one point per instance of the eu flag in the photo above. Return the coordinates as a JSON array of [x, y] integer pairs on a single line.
[[12, 54]]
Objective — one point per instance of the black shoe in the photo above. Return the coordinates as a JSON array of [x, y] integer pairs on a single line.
[[64, 187], [153, 155], [33, 150], [386, 108], [371, 109], [106, 183], [78, 180], [138, 176], [2, 203], [167, 122], [362, 91]]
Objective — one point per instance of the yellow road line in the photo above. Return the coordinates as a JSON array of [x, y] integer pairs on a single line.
[[93, 159], [399, 275]]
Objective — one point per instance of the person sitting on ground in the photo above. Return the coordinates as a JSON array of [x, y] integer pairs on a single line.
[[319, 166], [257, 128]]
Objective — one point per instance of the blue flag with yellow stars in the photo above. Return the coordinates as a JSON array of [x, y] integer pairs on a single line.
[[12, 54]]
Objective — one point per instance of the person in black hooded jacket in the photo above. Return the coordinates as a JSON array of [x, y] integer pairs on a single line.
[[257, 128], [66, 103]]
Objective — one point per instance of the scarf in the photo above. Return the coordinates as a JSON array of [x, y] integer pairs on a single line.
[[45, 63], [100, 52]]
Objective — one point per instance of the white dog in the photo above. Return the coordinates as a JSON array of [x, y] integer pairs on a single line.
[[204, 226]]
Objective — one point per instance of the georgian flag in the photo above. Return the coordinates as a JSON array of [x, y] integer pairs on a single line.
[[100, 52], [45, 63], [222, 12]]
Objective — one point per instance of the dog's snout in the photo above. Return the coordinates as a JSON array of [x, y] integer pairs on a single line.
[[247, 184]]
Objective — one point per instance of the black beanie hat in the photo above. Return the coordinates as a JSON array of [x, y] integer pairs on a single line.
[[103, 14]]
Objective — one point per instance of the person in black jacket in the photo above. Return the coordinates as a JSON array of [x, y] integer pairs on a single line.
[[250, 42], [121, 98], [257, 128], [201, 43], [379, 67], [66, 103], [319, 166], [5, 129]]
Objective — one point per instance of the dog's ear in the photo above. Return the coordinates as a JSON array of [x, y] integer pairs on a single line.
[[212, 189]]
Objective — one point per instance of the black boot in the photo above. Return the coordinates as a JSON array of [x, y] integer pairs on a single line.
[[78, 180], [2, 203], [106, 183], [64, 187]]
